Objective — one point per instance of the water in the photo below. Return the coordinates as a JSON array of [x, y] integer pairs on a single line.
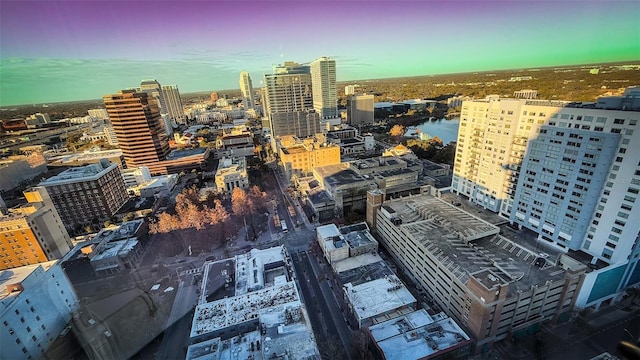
[[447, 130]]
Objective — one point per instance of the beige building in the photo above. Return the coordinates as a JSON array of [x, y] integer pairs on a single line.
[[492, 286], [32, 233], [299, 157], [231, 173]]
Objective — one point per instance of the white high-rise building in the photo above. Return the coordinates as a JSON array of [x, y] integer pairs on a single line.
[[246, 88], [566, 171], [173, 104], [323, 80]]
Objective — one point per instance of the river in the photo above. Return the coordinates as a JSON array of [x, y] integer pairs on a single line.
[[447, 130]]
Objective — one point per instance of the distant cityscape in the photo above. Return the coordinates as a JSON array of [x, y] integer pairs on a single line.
[[300, 220]]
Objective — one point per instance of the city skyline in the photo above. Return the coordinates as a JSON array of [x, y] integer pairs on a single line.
[[70, 53]]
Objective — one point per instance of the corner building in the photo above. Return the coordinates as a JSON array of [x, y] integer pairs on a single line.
[[492, 286]]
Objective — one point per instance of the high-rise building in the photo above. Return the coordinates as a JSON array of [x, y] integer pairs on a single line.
[[173, 103], [360, 110], [87, 195], [34, 233], [323, 80], [154, 89], [246, 88], [290, 101], [564, 170], [38, 302], [138, 126]]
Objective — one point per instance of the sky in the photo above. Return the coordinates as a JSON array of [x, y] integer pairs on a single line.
[[56, 50]]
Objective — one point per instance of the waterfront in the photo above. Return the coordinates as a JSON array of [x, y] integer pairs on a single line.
[[447, 130]]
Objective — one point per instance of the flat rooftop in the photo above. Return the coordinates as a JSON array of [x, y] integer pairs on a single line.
[[18, 275], [179, 154], [362, 268], [418, 335], [223, 313], [468, 245], [81, 173], [121, 232], [378, 296]]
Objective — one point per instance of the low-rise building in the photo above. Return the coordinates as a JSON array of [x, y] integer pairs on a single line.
[[419, 335], [299, 157], [232, 173], [17, 169], [112, 250], [495, 287], [257, 312], [37, 303]]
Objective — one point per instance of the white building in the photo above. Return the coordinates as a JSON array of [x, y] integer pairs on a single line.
[[174, 103], [135, 176], [98, 114], [567, 171], [323, 83], [37, 304], [232, 173], [246, 88]]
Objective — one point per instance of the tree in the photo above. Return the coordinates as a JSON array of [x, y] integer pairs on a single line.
[[396, 130], [258, 198], [240, 203]]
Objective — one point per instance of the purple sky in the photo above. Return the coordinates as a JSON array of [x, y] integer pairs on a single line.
[[203, 45]]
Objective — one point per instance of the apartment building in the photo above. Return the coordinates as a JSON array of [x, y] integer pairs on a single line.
[[566, 171]]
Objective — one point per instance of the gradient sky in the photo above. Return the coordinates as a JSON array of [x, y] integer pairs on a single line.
[[74, 50]]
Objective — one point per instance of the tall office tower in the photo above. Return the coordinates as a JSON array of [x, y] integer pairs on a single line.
[[153, 88], [174, 104], [35, 232], [87, 195], [323, 80], [360, 110], [290, 101], [563, 170], [138, 126], [246, 88]]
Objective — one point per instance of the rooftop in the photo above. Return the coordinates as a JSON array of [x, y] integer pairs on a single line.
[[362, 268], [468, 245], [378, 296], [17, 276], [179, 154], [417, 335], [82, 173]]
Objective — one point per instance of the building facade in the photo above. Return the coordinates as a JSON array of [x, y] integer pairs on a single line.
[[323, 80], [174, 104], [289, 101], [301, 156], [360, 110], [32, 233], [563, 170], [37, 305], [86, 196], [138, 126], [246, 89]]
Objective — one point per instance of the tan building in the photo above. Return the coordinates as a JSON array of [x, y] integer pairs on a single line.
[[301, 156], [232, 173], [135, 117], [495, 288], [32, 233], [85, 196]]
